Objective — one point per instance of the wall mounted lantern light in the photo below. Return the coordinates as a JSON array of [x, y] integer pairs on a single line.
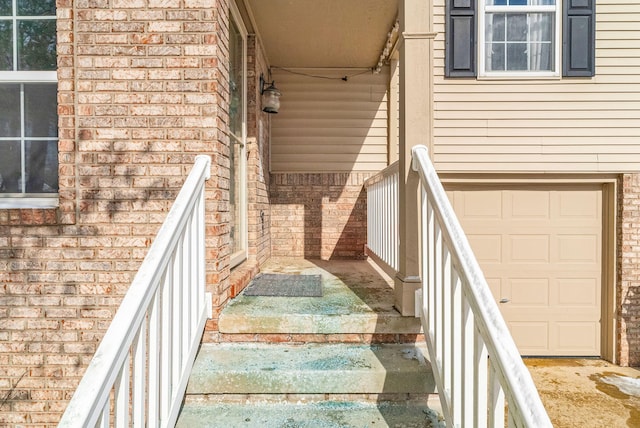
[[270, 96]]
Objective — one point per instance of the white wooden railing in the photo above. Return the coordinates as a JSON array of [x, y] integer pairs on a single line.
[[476, 364], [382, 218], [139, 372]]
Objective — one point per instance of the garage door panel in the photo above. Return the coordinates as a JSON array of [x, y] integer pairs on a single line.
[[532, 206], [532, 338], [541, 251], [579, 248], [482, 204], [579, 204], [528, 248], [573, 292], [528, 292], [576, 338], [487, 248]]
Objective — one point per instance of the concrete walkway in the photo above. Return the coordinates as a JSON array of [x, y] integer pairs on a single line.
[[587, 392]]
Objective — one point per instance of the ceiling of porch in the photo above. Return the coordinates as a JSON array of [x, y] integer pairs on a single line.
[[324, 33]]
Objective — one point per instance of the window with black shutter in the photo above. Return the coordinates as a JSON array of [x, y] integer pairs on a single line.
[[520, 38]]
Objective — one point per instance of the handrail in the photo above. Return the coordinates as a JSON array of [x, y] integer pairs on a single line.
[[145, 357], [382, 218], [472, 352]]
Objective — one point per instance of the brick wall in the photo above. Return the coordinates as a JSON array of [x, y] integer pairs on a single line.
[[318, 215], [258, 131], [142, 91], [628, 283]]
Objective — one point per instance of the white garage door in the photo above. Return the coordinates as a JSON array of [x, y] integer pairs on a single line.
[[541, 251]]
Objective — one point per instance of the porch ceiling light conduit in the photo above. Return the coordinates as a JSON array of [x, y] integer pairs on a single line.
[[270, 96]]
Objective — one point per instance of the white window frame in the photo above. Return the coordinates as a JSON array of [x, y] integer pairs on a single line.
[[484, 9], [26, 200], [243, 237]]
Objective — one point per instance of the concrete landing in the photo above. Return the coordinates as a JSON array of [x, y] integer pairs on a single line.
[[358, 298], [256, 368], [326, 414]]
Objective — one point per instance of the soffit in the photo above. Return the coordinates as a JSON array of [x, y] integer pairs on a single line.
[[323, 33]]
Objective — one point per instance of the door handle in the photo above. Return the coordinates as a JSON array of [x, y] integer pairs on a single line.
[[504, 300]]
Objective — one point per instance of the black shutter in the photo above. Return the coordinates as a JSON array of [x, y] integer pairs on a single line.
[[579, 38], [460, 46]]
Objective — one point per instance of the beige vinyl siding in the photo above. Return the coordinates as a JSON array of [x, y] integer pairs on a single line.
[[329, 125], [546, 125]]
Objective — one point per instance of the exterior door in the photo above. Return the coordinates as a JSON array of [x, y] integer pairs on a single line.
[[237, 137], [541, 252]]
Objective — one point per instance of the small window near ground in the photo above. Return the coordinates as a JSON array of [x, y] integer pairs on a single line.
[[28, 104]]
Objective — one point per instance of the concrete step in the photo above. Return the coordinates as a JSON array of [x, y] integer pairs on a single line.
[[258, 368], [324, 414]]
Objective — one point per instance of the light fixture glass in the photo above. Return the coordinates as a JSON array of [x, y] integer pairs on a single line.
[[270, 96]]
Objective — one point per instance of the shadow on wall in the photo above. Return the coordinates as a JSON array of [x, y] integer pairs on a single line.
[[337, 228]]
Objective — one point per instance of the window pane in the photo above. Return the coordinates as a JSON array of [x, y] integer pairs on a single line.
[[517, 27], [236, 80], [36, 7], [10, 167], [495, 56], [37, 45], [42, 166], [517, 56], [9, 110], [541, 57], [5, 7], [541, 27], [6, 45], [495, 27], [41, 117]]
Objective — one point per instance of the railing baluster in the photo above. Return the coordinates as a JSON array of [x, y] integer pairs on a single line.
[[429, 262], [496, 399], [468, 380], [166, 353], [194, 277], [481, 379], [104, 421], [121, 399], [184, 294], [445, 284], [436, 245], [176, 325], [457, 342], [154, 361], [139, 397]]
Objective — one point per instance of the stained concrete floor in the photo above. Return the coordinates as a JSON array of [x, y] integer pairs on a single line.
[[587, 392], [357, 299]]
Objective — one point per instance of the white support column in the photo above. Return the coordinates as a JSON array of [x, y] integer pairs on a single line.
[[416, 83]]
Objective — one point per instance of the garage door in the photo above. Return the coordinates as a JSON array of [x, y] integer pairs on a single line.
[[541, 251]]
